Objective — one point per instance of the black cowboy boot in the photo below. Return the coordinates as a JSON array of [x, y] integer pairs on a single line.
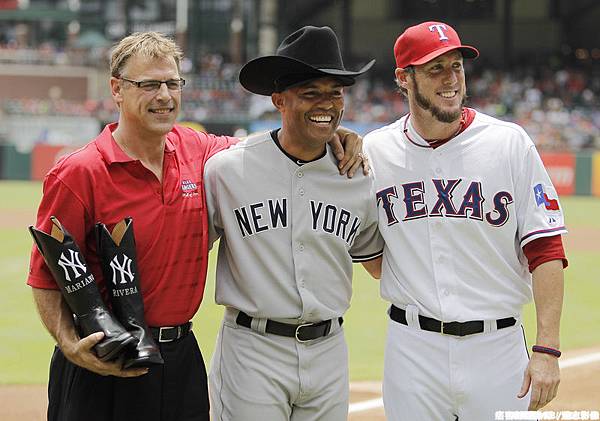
[[79, 288], [119, 265]]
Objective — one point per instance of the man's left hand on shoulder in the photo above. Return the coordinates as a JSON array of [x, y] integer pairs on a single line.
[[347, 147], [543, 376]]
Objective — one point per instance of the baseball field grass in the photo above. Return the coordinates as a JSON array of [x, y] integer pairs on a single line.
[[25, 346]]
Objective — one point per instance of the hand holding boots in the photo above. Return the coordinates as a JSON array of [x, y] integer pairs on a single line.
[[82, 354], [80, 291], [119, 343]]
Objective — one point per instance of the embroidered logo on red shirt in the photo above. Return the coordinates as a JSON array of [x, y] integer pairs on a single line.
[[189, 188]]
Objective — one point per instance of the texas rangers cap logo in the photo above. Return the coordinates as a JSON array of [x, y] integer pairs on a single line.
[[440, 28], [541, 198], [426, 41]]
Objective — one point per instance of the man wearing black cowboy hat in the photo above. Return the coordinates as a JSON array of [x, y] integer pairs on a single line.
[[290, 229]]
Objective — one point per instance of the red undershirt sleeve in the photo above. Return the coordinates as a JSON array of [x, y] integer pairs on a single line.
[[545, 249]]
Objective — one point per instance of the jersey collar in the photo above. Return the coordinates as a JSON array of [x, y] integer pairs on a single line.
[[111, 152], [295, 160], [467, 117]]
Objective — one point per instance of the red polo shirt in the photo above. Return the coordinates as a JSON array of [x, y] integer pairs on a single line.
[[100, 183]]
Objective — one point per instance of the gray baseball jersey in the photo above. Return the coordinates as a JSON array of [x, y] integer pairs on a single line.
[[289, 233]]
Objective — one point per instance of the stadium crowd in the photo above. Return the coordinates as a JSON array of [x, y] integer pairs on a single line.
[[559, 109]]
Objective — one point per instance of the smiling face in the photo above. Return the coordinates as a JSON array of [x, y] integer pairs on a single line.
[[311, 112], [438, 86], [147, 113]]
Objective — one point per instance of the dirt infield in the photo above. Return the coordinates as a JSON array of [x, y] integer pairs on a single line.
[[579, 390]]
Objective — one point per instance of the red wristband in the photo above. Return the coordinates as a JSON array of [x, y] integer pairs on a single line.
[[546, 350]]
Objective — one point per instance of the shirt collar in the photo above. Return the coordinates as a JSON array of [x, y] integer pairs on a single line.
[[111, 152], [412, 135], [295, 160]]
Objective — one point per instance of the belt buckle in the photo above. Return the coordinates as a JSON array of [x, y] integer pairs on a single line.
[[160, 332], [298, 330], [443, 328], [459, 329]]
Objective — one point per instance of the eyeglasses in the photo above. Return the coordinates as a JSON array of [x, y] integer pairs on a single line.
[[154, 85]]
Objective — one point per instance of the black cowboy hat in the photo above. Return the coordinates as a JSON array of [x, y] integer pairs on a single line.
[[308, 53]]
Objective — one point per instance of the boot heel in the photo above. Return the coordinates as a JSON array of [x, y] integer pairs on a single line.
[[111, 349], [143, 359]]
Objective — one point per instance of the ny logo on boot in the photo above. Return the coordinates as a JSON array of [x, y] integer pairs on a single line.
[[123, 269], [74, 263]]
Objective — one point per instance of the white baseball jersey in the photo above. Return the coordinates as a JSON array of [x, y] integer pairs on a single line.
[[289, 233], [455, 218]]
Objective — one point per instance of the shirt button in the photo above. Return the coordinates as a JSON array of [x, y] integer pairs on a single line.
[[446, 292], [438, 170], [300, 174], [301, 247], [301, 192]]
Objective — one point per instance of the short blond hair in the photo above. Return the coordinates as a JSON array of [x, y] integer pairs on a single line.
[[148, 44]]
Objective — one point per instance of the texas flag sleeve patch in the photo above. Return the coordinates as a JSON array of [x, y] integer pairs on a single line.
[[541, 198]]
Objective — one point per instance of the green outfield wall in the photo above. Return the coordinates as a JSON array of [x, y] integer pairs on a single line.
[[583, 174], [596, 174], [574, 174], [14, 165]]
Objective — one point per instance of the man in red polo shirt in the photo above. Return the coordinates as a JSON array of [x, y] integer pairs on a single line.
[[150, 169]]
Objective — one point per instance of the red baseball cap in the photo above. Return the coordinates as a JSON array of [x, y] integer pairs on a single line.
[[426, 41]]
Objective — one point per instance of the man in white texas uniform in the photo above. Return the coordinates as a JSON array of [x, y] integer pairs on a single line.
[[471, 224], [290, 229]]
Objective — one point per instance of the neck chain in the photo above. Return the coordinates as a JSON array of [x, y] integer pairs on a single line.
[[434, 143]]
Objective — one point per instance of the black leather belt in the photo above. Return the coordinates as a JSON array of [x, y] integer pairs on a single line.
[[303, 332], [171, 333], [449, 328]]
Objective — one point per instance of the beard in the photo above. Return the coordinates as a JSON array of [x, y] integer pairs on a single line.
[[440, 115]]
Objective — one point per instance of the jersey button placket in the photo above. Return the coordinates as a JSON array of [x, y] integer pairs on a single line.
[[299, 202], [300, 174], [437, 233], [436, 163], [301, 283]]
